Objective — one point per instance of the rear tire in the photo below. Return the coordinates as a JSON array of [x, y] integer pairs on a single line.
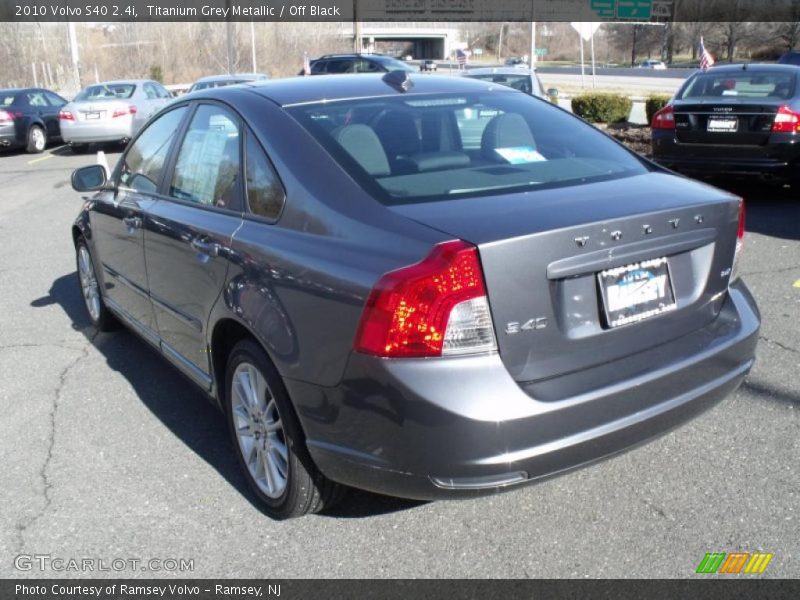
[[99, 315], [269, 442], [37, 140]]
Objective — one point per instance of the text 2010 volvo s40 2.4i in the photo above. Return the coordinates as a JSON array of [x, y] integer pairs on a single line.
[[429, 289]]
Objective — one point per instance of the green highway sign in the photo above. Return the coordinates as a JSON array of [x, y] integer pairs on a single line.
[[541, 51], [634, 9], [623, 9]]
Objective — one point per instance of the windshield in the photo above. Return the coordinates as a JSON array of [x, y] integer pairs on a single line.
[[392, 64], [106, 91], [521, 82], [742, 84], [436, 147]]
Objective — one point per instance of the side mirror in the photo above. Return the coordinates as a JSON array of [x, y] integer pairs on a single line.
[[552, 92], [89, 179]]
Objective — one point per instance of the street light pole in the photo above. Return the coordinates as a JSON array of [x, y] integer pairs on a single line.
[[253, 44], [533, 44], [73, 48]]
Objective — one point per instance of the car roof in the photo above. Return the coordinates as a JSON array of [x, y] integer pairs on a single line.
[[233, 77], [497, 71], [121, 81], [758, 67], [327, 88]]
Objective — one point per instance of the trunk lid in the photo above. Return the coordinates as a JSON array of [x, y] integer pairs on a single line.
[[725, 122], [542, 251], [98, 110]]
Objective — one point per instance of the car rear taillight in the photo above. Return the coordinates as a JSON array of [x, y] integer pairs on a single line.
[[433, 308], [123, 112], [786, 121], [739, 242], [664, 118], [5, 116], [65, 115]]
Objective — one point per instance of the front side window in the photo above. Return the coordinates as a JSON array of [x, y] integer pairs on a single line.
[[341, 65], [517, 82], [208, 165], [265, 195], [444, 146], [141, 167]]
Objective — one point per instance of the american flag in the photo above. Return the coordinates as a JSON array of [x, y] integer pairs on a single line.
[[461, 57], [706, 60]]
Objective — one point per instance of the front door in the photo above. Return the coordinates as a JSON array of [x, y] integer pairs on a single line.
[[118, 219]]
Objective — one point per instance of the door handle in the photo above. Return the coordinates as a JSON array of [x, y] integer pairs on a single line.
[[132, 222], [204, 246]]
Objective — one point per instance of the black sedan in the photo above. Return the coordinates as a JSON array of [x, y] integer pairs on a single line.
[[29, 118], [741, 120], [424, 286]]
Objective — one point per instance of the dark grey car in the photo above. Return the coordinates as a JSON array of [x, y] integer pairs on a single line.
[[427, 288]]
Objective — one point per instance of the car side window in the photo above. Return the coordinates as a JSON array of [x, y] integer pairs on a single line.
[[141, 167], [162, 92], [208, 165], [265, 195], [319, 66], [150, 91], [341, 65], [54, 99], [366, 66], [36, 99]]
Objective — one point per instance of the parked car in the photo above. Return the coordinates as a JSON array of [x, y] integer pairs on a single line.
[[733, 119], [29, 118], [790, 58], [651, 63], [112, 111], [428, 65], [424, 313], [526, 81], [516, 61], [338, 64], [213, 81]]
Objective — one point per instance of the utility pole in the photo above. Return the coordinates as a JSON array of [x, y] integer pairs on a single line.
[[356, 29], [229, 37], [532, 61], [253, 44], [73, 48]]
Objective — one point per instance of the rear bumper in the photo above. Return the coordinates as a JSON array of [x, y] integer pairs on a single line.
[[84, 133], [780, 160], [8, 136], [443, 428]]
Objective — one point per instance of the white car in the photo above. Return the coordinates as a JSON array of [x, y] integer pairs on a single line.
[[652, 63], [112, 111]]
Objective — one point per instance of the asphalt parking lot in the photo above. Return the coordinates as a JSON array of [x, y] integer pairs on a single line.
[[109, 453]]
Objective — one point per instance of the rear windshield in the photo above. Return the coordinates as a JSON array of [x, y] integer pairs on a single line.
[[756, 84], [406, 149], [516, 81], [107, 91]]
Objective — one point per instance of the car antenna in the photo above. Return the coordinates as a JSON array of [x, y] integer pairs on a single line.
[[399, 80]]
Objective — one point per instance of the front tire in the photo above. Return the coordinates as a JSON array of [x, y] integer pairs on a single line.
[[99, 315], [37, 140], [269, 442]]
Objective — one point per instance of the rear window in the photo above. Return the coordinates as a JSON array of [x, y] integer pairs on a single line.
[[518, 82], [7, 99], [742, 84], [108, 91], [424, 148]]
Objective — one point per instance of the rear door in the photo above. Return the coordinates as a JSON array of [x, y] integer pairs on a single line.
[[189, 233], [118, 217], [56, 102], [44, 111]]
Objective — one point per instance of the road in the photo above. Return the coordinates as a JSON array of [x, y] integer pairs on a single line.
[[109, 453]]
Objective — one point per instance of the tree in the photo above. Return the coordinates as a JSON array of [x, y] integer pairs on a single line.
[[157, 73]]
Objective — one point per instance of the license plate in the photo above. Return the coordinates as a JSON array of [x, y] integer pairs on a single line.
[[637, 291], [92, 115], [726, 125]]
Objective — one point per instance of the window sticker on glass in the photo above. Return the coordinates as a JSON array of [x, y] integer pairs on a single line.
[[520, 155]]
